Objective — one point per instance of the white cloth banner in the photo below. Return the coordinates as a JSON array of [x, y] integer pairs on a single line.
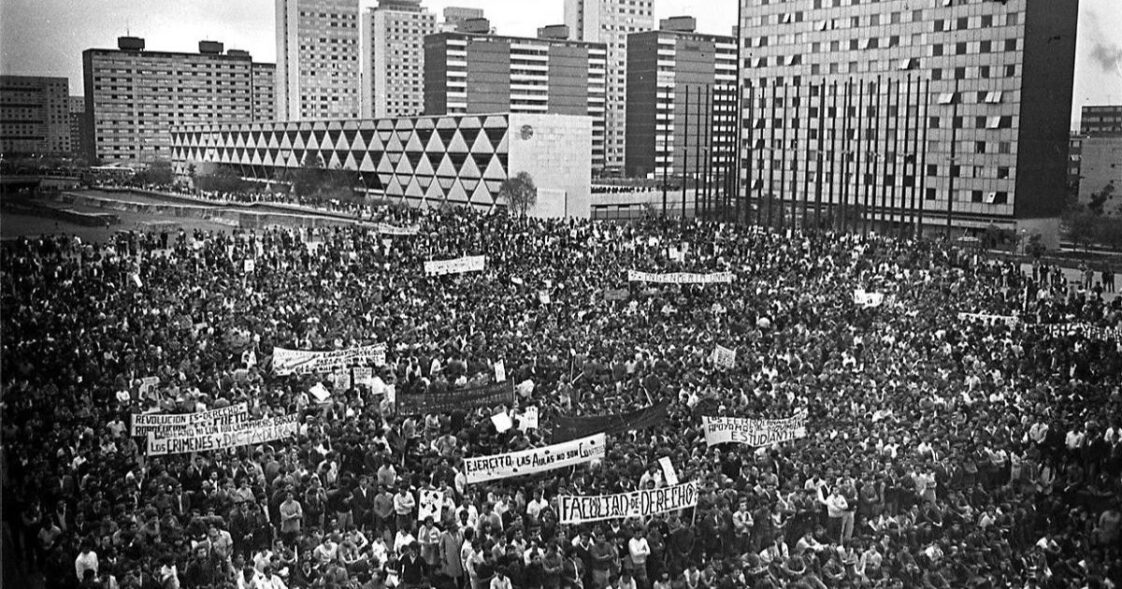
[[320, 393], [479, 469], [456, 266], [287, 361], [868, 299], [754, 432], [429, 504], [502, 422], [387, 229], [221, 437], [500, 371], [165, 424], [1009, 320], [680, 277], [577, 509], [724, 357]]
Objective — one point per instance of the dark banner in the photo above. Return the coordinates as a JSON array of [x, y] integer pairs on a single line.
[[570, 428], [461, 400]]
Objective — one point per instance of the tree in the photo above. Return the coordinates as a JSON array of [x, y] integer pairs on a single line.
[[159, 172], [520, 193], [1099, 198], [224, 179]]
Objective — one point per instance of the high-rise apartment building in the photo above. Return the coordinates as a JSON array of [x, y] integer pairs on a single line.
[[610, 22], [318, 71], [264, 91], [1101, 120], [393, 45], [899, 112], [79, 140], [665, 68], [34, 115], [470, 73], [134, 96]]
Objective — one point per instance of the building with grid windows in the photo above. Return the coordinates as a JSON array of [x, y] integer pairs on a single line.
[[393, 43], [478, 73], [78, 126], [34, 115], [134, 96], [264, 90], [661, 66], [610, 22], [318, 71], [1101, 120], [897, 113]]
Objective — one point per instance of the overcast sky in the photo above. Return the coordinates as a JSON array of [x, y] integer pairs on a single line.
[[47, 37]]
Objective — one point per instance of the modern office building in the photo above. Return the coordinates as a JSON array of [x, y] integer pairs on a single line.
[[318, 67], [427, 161], [471, 73], [134, 96], [664, 68], [1074, 157], [901, 112], [611, 22], [393, 45], [34, 115], [1101, 120], [264, 89]]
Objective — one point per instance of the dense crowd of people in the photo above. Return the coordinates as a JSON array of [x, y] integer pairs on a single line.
[[941, 451]]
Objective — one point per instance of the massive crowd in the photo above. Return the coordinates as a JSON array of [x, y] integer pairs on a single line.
[[940, 451]]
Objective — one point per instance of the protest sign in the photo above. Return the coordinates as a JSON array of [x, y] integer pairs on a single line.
[[249, 266], [500, 371], [1009, 320], [320, 393], [459, 400], [364, 375], [528, 420], [543, 297], [724, 357], [753, 432], [455, 266], [165, 424], [616, 294], [868, 299], [221, 437], [502, 422], [287, 361], [147, 384], [480, 469], [387, 229], [576, 509], [567, 428], [680, 277], [668, 471], [429, 504], [1088, 330]]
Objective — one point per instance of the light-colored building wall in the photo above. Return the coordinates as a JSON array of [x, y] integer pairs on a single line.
[[610, 22], [393, 51], [554, 151], [1100, 166], [318, 66], [34, 115]]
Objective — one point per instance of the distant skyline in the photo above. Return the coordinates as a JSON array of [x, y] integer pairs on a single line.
[[47, 37]]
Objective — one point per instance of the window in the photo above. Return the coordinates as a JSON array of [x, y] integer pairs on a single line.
[[1002, 172], [932, 170], [930, 194], [979, 147], [937, 49]]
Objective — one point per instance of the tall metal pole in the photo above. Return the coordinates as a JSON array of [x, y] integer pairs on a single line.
[[739, 147], [707, 163], [922, 155], [905, 209], [820, 175], [771, 156], [685, 151], [882, 150], [954, 154], [783, 159], [847, 155], [697, 158], [866, 148], [667, 156], [805, 168]]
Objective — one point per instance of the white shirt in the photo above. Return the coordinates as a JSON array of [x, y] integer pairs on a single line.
[[639, 549]]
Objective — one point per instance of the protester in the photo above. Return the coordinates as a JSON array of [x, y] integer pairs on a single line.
[[939, 451]]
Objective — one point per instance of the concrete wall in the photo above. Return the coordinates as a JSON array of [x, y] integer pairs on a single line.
[[557, 153], [1101, 165]]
